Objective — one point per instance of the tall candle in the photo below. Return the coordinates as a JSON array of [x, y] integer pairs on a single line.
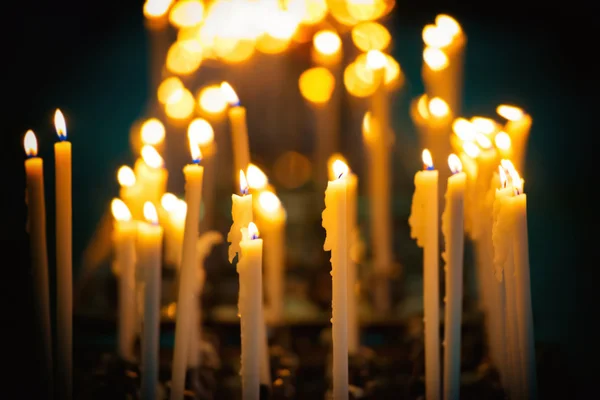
[[64, 260], [453, 231], [124, 235], [249, 268], [423, 221], [239, 129], [36, 225], [517, 127], [130, 191], [151, 174], [188, 275], [174, 226], [149, 248], [335, 223]]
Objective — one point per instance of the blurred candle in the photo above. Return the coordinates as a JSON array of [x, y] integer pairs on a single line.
[[149, 248], [188, 273], [453, 231], [131, 191], [174, 227], [503, 144], [153, 133], [239, 129], [64, 259], [517, 127], [151, 174], [124, 236], [423, 221], [376, 62], [36, 225], [335, 223], [201, 132]]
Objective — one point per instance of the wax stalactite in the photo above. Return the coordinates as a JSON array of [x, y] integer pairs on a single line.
[[239, 129]]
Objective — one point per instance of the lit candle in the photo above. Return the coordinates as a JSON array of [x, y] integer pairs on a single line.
[[156, 21], [188, 273], [174, 226], [151, 174], [36, 224], [453, 231], [335, 223], [517, 127], [423, 221], [271, 219], [379, 202], [149, 248], [249, 269], [239, 129], [124, 235], [64, 259], [130, 191], [241, 213]]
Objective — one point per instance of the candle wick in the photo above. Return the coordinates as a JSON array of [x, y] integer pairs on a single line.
[[429, 167]]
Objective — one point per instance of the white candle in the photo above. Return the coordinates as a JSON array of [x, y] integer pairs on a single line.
[[188, 274], [174, 225], [423, 221], [239, 129], [64, 259], [149, 249], [453, 231], [241, 213], [36, 225], [249, 268], [151, 174], [124, 235], [131, 192], [517, 127], [335, 223]]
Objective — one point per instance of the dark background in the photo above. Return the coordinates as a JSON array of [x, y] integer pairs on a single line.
[[89, 58]]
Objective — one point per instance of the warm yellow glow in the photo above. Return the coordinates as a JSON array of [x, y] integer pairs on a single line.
[[180, 210], [200, 132], [195, 151], [371, 36], [153, 132], [354, 84], [448, 25], [516, 180], [252, 231], [376, 59], [186, 13], [393, 74], [434, 36], [483, 141], [422, 106], [184, 57], [267, 44], [167, 88], [243, 183], [150, 213], [229, 94], [502, 140], [435, 58], [502, 175], [366, 125], [511, 113], [156, 8], [317, 84], [471, 149], [169, 201], [257, 179], [30, 143], [340, 168], [454, 163], [331, 161], [507, 164], [365, 10], [464, 129], [484, 125], [151, 157], [234, 51], [269, 201], [120, 211], [211, 100], [60, 124], [327, 42], [126, 176], [427, 159], [438, 107], [181, 105], [314, 11]]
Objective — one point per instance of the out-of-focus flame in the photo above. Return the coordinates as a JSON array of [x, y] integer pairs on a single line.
[[483, 141], [257, 179], [464, 129], [435, 58], [60, 125], [434, 36], [156, 8], [126, 176], [184, 57], [120, 211], [422, 106], [511, 113], [167, 88], [201, 132], [186, 13], [195, 151], [438, 108], [316, 85], [269, 201], [448, 25], [151, 157], [502, 175], [427, 159], [212, 100], [471, 149], [153, 132], [454, 163], [30, 144], [327, 42], [180, 210], [243, 183], [150, 213], [229, 94], [340, 168], [376, 59], [487, 126], [168, 201], [371, 36], [180, 105], [502, 140], [252, 231]]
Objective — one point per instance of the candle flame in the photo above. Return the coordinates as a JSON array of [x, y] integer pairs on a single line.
[[435, 36], [340, 168], [471, 149], [243, 183], [180, 210], [502, 175], [257, 179], [366, 125], [269, 201], [168, 201], [376, 59], [484, 125], [464, 129], [187, 13], [230, 96], [448, 25], [327, 42], [507, 164], [30, 143], [511, 113], [252, 231], [516, 181], [153, 132], [120, 211], [438, 107], [502, 140], [126, 176], [150, 213], [60, 125], [212, 99], [151, 157], [201, 132], [435, 58], [156, 8], [317, 85], [454, 163], [483, 141], [427, 160], [195, 151], [422, 106]]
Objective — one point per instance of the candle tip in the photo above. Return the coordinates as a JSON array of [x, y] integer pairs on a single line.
[[244, 189], [150, 213], [30, 144], [427, 160], [229, 94], [60, 125], [252, 231], [340, 168], [454, 163]]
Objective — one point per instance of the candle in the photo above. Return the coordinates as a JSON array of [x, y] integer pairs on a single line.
[[239, 129], [188, 274], [453, 231], [271, 219], [155, 12], [379, 202], [174, 226], [423, 221], [124, 235], [335, 223], [517, 127], [36, 225], [130, 191], [376, 62], [151, 174], [152, 132], [241, 213], [64, 259], [149, 248], [249, 269], [503, 144]]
